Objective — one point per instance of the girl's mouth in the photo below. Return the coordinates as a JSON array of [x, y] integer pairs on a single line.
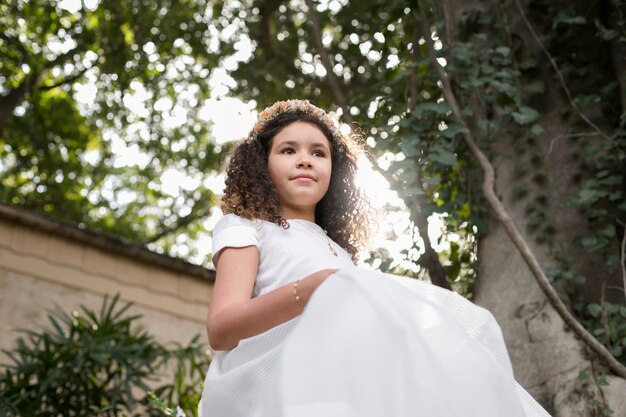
[[304, 177]]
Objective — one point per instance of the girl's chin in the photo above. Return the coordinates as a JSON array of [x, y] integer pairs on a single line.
[[305, 203]]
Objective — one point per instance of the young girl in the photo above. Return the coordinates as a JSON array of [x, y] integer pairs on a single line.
[[300, 331]]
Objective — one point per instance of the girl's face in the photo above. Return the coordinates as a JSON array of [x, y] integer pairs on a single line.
[[300, 166]]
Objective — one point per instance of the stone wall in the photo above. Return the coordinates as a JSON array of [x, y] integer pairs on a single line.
[[42, 268]]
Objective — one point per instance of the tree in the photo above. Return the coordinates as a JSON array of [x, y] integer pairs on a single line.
[[75, 85], [540, 88]]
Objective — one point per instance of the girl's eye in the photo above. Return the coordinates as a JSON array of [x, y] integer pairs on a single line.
[[319, 154], [287, 151]]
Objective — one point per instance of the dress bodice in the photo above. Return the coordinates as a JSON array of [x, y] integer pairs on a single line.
[[285, 254]]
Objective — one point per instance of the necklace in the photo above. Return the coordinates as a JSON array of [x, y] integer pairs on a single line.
[[327, 240], [332, 250]]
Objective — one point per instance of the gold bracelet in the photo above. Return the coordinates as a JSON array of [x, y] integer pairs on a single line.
[[296, 295]]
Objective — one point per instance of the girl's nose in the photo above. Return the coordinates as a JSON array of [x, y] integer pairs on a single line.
[[304, 162]]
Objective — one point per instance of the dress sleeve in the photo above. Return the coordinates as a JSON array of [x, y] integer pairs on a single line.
[[233, 231]]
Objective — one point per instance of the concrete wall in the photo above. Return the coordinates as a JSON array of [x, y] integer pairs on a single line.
[[39, 269]]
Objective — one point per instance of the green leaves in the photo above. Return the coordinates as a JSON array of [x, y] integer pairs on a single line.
[[454, 129], [89, 362], [607, 322], [592, 243], [567, 18], [429, 108], [594, 309], [70, 113], [442, 156], [525, 115], [463, 53]]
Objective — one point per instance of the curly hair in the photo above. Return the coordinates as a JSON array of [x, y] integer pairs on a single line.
[[344, 211]]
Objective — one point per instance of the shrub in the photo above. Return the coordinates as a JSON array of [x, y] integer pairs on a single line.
[[88, 364]]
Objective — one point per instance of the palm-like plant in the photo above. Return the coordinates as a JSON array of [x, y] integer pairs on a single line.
[[96, 364]]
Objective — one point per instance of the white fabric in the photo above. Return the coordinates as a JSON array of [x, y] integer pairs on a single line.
[[285, 254], [368, 344]]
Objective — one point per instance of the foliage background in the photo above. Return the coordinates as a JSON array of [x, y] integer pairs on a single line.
[[541, 84]]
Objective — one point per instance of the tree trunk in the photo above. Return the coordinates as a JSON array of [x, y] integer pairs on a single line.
[[547, 358]]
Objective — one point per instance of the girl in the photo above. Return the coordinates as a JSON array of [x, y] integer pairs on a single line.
[[300, 331]]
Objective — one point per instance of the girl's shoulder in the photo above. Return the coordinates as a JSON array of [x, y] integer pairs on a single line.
[[235, 232], [232, 220], [233, 223]]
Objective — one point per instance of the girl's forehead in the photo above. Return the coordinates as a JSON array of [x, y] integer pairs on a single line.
[[301, 133]]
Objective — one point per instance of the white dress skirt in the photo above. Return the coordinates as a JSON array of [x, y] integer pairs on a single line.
[[368, 344]]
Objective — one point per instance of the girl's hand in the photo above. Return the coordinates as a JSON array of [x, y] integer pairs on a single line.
[[235, 315], [309, 284], [320, 276]]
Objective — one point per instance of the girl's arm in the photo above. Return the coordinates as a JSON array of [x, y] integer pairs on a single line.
[[234, 315]]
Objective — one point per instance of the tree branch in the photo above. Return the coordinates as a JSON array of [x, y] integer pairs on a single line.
[[413, 82], [603, 315], [622, 256], [431, 259], [266, 11], [569, 135], [16, 44], [433, 265], [507, 221], [615, 14], [331, 79], [195, 214], [60, 59], [560, 75], [9, 102], [67, 80]]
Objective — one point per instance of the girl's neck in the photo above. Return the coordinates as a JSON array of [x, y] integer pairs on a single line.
[[301, 215]]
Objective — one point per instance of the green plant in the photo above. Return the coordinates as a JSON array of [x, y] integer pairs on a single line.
[[90, 363]]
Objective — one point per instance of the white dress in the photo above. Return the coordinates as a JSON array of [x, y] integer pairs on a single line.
[[367, 344]]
